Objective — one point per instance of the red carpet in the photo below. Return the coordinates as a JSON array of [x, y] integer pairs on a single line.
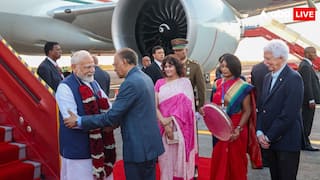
[[2, 133], [8, 152], [11, 168], [16, 170], [204, 170]]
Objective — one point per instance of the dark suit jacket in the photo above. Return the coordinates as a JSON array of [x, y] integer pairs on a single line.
[[103, 78], [143, 69], [257, 75], [134, 110], [279, 116], [310, 82], [154, 72], [49, 73]]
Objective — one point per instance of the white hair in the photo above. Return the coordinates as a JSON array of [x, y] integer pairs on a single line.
[[79, 55], [278, 48]]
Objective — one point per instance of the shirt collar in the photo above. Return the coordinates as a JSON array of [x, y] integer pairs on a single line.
[[277, 73], [308, 60], [158, 63], [52, 61]]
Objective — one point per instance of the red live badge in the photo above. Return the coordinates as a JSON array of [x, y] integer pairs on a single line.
[[304, 14]]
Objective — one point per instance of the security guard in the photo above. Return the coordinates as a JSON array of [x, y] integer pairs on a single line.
[[193, 70]]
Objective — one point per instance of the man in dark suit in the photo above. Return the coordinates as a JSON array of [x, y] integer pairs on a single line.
[[145, 61], [279, 124], [134, 110], [257, 75], [49, 70], [154, 71], [311, 94], [101, 76]]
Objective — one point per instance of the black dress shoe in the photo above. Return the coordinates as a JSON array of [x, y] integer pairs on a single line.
[[310, 148]]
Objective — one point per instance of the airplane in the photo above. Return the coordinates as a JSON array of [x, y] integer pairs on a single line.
[[213, 27]]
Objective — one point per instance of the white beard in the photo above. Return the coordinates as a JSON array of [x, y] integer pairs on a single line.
[[87, 79]]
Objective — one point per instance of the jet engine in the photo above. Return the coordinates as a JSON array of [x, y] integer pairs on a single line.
[[210, 26]]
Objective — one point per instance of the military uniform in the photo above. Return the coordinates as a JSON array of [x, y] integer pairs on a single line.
[[194, 73]]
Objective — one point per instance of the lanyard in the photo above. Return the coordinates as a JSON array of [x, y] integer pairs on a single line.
[[222, 96]]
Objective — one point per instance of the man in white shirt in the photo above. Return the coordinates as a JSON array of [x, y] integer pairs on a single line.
[[81, 94], [155, 69]]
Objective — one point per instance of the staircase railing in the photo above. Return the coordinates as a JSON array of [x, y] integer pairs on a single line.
[[28, 106]]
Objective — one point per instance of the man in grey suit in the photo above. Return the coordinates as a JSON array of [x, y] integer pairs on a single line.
[[49, 70], [134, 110], [279, 123], [311, 94]]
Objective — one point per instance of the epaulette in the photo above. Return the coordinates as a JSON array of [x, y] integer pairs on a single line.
[[193, 61]]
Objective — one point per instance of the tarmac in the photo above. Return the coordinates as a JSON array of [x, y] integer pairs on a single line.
[[309, 168]]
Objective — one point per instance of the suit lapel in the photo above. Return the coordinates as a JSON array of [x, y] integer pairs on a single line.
[[267, 85], [54, 68], [278, 82]]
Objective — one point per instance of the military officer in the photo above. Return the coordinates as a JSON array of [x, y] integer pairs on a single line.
[[193, 70]]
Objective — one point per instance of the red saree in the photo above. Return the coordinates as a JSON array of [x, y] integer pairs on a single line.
[[229, 159]]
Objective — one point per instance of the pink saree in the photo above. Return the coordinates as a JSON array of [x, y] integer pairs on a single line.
[[176, 100]]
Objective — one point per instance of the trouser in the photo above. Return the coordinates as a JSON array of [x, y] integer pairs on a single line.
[[143, 171], [307, 116], [283, 164]]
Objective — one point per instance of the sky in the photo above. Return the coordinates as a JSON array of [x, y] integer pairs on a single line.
[[308, 30]]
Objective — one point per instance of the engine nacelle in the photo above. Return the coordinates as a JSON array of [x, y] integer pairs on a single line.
[[210, 26]]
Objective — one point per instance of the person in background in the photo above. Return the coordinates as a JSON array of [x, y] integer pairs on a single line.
[[84, 155], [101, 76], [146, 61], [279, 124], [49, 70], [176, 116], [257, 75], [154, 70], [311, 94], [235, 97], [195, 75], [193, 70], [134, 111]]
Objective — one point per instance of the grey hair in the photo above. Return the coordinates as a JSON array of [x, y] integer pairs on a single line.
[[128, 55], [278, 48], [79, 55]]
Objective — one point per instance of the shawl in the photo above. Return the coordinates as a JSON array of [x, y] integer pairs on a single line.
[[235, 95], [102, 143]]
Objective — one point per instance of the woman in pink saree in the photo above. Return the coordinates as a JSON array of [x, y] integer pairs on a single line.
[[176, 115]]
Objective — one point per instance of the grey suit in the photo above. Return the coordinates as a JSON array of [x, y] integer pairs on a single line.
[[49, 73], [134, 110]]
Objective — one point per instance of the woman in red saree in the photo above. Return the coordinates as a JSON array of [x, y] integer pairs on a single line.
[[232, 94], [175, 112]]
